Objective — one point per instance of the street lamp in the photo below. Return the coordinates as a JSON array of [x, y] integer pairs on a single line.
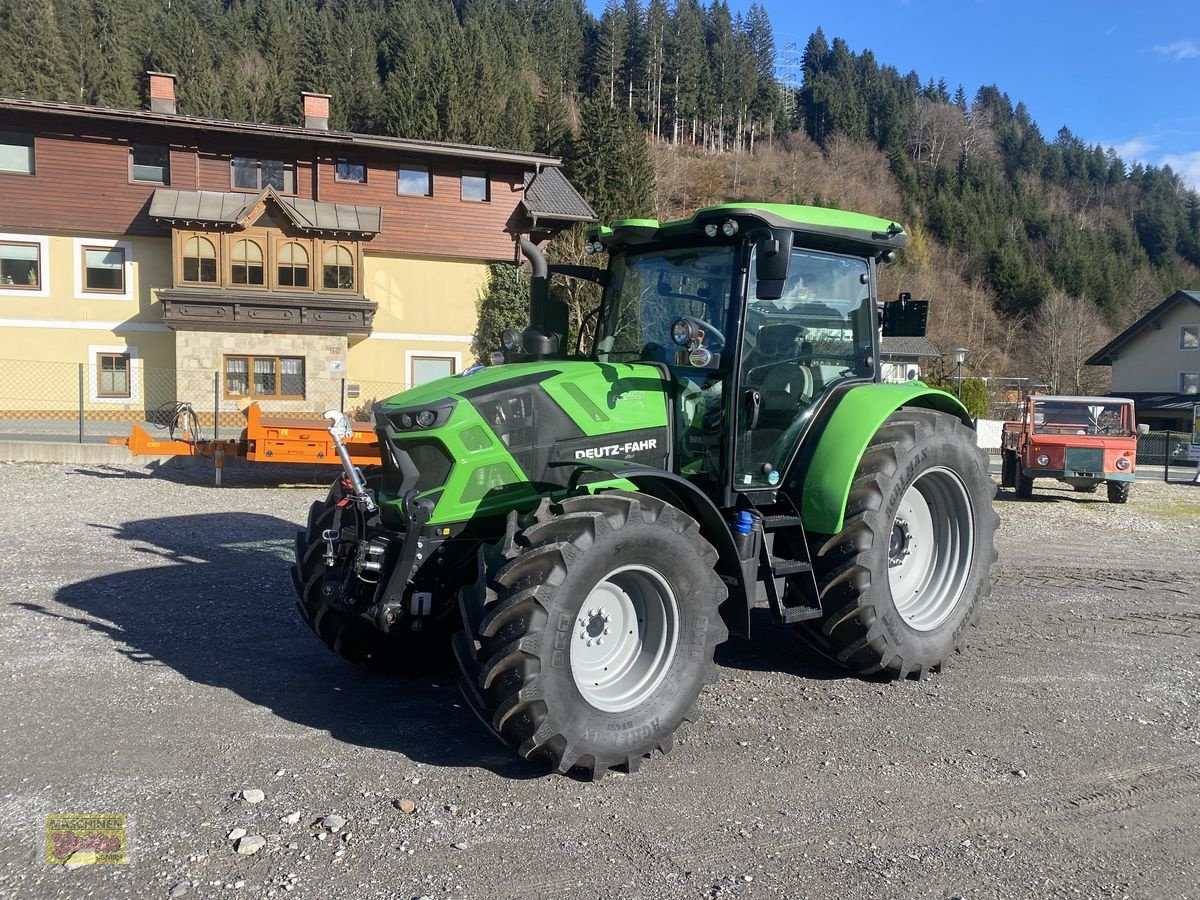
[[960, 355]]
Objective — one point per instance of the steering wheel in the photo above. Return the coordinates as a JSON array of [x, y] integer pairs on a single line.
[[712, 334]]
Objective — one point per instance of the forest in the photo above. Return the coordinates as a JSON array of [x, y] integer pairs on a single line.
[[1033, 248]]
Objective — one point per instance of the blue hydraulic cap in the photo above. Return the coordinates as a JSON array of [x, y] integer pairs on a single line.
[[744, 523]]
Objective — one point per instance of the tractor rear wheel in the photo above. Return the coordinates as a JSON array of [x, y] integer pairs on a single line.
[[1118, 491], [323, 606], [590, 630], [902, 580]]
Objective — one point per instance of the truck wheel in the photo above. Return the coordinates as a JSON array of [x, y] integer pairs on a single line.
[[1024, 484], [590, 631], [903, 579], [319, 590], [1087, 488], [1008, 470], [1118, 491]]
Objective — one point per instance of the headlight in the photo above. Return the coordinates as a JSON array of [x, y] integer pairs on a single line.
[[406, 420], [496, 358], [1043, 460], [684, 331], [511, 339], [426, 417], [1123, 463]]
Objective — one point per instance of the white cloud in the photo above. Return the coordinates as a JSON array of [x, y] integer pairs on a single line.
[[1134, 149], [1179, 50], [1186, 166]]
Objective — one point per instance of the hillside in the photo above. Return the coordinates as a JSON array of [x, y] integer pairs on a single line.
[[662, 108]]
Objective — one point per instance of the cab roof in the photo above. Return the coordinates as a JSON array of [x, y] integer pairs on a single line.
[[822, 225]]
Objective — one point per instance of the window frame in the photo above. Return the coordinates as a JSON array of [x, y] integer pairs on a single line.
[[1183, 329], [1182, 390], [277, 244], [482, 175], [353, 248], [214, 239], [258, 241], [350, 161], [26, 289], [413, 167], [412, 356], [258, 163], [102, 394], [32, 151], [251, 393], [83, 269], [166, 168]]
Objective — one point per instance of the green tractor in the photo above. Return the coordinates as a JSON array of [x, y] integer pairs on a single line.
[[585, 525]]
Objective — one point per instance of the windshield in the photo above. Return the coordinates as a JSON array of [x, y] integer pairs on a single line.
[[648, 292], [818, 332], [1066, 417]]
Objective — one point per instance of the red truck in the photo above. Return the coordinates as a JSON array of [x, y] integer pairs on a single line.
[[1082, 441]]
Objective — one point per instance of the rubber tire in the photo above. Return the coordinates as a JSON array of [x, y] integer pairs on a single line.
[[352, 637], [860, 627], [1024, 485], [1087, 488], [519, 620], [1118, 491], [1008, 470]]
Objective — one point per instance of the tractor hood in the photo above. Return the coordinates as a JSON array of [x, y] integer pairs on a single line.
[[499, 437]]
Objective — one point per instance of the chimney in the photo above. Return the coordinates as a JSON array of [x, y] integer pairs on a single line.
[[316, 111], [162, 92]]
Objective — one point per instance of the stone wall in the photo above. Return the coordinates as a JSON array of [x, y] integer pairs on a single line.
[[324, 365]]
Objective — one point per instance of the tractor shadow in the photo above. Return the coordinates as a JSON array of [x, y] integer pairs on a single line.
[[774, 647], [216, 604], [191, 470]]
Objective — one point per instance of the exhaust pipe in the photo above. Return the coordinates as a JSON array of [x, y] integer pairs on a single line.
[[547, 317]]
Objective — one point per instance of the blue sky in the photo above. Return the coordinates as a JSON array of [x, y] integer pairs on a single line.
[[1125, 75]]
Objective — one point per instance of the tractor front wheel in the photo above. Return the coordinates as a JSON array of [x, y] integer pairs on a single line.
[[1118, 491], [1024, 484], [590, 631], [903, 579]]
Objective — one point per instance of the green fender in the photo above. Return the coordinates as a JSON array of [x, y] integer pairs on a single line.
[[844, 438]]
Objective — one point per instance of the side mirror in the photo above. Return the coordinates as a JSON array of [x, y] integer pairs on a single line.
[[1143, 429], [772, 258]]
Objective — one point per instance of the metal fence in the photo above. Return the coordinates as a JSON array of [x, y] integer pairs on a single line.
[[1169, 449], [80, 402]]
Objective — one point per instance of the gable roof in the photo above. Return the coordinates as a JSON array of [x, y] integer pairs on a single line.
[[548, 195], [1104, 356], [219, 208]]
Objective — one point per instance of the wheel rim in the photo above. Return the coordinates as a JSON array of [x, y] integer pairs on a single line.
[[624, 638], [930, 550]]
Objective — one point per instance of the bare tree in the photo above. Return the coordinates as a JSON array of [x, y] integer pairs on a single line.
[[1061, 337]]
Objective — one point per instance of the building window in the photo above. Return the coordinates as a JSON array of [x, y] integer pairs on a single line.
[[112, 374], [349, 169], [20, 265], [104, 269], [16, 153], [1189, 337], [475, 186], [338, 264], [430, 368], [1189, 382], [256, 174], [280, 377], [415, 180], [199, 261], [150, 163], [292, 265], [246, 264]]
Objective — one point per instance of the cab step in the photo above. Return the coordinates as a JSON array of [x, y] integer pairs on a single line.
[[775, 570]]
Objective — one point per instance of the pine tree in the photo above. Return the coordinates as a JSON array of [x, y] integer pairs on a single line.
[[35, 60], [502, 303]]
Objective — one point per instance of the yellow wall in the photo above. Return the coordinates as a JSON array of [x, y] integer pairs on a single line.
[[426, 307], [43, 339]]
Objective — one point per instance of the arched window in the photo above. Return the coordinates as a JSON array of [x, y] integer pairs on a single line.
[[246, 263], [199, 261], [339, 268], [292, 265]]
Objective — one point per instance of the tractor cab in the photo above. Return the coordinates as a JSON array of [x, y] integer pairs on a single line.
[[757, 316]]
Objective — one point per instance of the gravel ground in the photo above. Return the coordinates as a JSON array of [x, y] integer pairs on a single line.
[[155, 667]]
